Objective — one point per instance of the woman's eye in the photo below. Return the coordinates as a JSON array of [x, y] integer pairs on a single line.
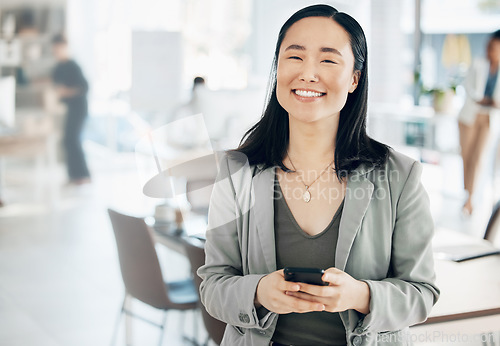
[[295, 57], [329, 61]]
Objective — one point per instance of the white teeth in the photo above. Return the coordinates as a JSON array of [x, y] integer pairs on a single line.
[[305, 93]]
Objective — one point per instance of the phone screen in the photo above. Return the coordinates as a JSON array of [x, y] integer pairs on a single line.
[[306, 275]]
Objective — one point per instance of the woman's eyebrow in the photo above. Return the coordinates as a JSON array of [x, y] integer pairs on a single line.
[[296, 47], [322, 49], [330, 50]]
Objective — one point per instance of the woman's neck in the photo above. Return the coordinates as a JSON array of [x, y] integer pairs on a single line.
[[312, 145]]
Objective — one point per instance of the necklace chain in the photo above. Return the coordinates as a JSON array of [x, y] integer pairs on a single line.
[[306, 196]]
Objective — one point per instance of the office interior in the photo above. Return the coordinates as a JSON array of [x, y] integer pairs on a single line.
[[60, 278]]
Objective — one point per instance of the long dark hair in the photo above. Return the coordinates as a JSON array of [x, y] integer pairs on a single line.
[[267, 141]]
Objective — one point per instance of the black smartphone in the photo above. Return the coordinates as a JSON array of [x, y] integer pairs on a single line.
[[306, 275]]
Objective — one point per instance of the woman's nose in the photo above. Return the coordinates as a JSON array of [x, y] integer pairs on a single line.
[[309, 74]]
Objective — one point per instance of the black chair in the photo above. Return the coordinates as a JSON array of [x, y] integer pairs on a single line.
[[142, 274], [196, 255]]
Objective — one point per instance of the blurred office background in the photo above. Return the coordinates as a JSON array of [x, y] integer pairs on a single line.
[[60, 276]]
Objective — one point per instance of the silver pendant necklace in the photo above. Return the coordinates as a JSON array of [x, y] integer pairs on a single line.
[[306, 196]]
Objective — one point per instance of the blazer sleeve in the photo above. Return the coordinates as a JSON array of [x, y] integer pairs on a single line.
[[406, 297], [228, 294]]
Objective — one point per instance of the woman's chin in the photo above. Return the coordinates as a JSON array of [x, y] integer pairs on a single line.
[[309, 118]]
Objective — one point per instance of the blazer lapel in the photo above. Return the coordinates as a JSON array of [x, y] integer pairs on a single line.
[[358, 195], [263, 184]]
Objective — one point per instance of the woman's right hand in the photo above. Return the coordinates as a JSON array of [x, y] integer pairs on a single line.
[[271, 294]]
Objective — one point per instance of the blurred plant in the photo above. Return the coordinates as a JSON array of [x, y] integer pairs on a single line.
[[441, 97], [439, 90]]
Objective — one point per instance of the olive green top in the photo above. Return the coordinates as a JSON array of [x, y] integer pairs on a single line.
[[296, 248]]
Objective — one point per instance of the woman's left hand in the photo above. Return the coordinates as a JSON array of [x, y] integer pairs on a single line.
[[343, 292]]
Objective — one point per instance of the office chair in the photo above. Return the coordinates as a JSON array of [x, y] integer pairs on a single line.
[[142, 274], [196, 255], [492, 232]]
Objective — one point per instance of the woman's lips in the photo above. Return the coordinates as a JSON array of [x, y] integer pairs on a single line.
[[307, 95]]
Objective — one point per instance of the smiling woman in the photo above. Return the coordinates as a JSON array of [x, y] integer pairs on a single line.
[[308, 188]]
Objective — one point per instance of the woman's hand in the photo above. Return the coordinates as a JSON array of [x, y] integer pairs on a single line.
[[272, 294], [343, 293]]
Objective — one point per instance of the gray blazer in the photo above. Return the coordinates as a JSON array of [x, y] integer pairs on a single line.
[[384, 239]]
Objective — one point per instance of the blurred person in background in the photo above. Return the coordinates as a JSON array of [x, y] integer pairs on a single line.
[[190, 133], [197, 83], [71, 87], [483, 99], [193, 106]]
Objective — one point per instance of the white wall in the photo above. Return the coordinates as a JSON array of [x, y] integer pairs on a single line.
[[387, 74]]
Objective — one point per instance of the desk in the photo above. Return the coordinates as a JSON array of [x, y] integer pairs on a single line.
[[194, 227], [165, 234], [468, 289]]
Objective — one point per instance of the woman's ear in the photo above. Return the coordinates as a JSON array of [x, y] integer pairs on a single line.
[[355, 80]]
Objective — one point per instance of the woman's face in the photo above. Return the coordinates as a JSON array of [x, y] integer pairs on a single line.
[[493, 51], [315, 69]]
